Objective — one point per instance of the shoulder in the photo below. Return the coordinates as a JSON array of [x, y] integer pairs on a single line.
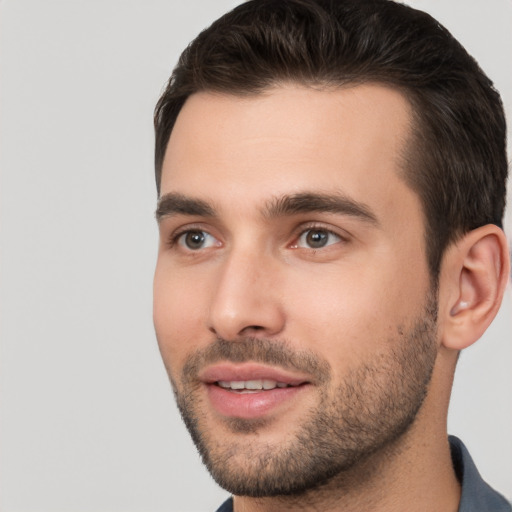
[[477, 495], [227, 506]]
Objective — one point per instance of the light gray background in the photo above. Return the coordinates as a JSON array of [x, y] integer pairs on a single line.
[[87, 418]]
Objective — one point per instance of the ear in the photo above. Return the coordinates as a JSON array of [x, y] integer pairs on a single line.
[[473, 278]]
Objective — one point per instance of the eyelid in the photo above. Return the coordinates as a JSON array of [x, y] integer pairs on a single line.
[[174, 234], [304, 228], [172, 239], [209, 240]]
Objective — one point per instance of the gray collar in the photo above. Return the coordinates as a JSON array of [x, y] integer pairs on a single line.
[[477, 496]]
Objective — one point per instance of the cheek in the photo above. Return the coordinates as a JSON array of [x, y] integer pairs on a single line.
[[354, 310], [177, 324]]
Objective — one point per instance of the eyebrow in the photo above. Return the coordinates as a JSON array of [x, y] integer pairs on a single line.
[[178, 204], [314, 202]]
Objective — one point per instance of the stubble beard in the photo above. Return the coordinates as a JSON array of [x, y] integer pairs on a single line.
[[372, 408]]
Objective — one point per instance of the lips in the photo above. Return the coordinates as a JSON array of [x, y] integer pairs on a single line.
[[250, 390], [246, 372]]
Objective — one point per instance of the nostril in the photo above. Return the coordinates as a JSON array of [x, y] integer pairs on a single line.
[[253, 328], [230, 317]]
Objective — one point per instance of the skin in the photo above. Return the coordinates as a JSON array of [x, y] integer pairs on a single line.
[[256, 277]]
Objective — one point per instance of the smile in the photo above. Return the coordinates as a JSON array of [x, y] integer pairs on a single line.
[[249, 386], [251, 390]]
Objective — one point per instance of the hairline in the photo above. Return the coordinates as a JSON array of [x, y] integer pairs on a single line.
[[415, 126]]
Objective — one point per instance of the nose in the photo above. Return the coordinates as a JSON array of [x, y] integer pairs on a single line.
[[245, 301]]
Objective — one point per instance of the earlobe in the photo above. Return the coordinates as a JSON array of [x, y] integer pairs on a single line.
[[476, 270]]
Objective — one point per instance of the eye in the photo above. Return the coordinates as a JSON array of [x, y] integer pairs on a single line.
[[317, 238], [195, 240]]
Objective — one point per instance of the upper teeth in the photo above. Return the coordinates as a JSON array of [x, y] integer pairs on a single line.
[[251, 384]]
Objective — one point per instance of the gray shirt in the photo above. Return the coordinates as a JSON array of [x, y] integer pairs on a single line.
[[476, 495]]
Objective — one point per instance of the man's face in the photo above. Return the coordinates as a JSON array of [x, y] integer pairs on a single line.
[[292, 300]]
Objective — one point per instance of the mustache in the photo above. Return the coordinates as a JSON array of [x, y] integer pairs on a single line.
[[258, 350]]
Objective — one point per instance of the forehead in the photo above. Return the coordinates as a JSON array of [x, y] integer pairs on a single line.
[[287, 140]]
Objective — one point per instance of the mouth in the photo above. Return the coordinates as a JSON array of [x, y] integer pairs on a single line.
[[251, 391], [252, 386]]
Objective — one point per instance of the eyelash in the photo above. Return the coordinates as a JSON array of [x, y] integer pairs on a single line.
[[174, 238], [320, 228]]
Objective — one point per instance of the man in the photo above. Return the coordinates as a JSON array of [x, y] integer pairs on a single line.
[[331, 179]]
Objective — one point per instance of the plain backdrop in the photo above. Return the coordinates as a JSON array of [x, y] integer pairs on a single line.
[[88, 422]]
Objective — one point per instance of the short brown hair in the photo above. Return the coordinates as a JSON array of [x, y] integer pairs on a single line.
[[456, 157]]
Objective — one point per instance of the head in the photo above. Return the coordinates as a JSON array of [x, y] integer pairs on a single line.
[[317, 161]]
